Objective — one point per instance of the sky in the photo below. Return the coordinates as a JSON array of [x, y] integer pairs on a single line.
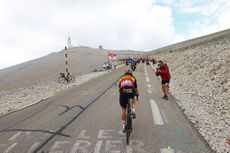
[[33, 28]]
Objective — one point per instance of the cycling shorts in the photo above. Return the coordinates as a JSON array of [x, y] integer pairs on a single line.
[[125, 95]]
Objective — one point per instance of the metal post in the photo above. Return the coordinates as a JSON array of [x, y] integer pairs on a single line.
[[66, 62]]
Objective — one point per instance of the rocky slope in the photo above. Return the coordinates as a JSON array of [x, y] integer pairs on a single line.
[[15, 99], [201, 84]]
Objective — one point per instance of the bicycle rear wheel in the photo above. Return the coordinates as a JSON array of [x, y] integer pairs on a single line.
[[61, 79], [128, 124], [128, 130]]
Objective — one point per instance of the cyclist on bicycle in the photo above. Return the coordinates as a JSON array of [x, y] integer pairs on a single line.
[[133, 64], [128, 90]]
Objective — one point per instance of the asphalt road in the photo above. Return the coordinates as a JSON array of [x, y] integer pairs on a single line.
[[86, 119]]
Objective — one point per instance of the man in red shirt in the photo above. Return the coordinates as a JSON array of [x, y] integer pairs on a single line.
[[228, 140], [163, 71]]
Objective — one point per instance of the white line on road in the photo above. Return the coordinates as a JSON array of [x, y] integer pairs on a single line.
[[164, 116], [149, 91], [149, 85], [156, 113], [167, 150], [14, 136], [33, 147], [147, 79], [98, 147], [10, 148], [57, 145]]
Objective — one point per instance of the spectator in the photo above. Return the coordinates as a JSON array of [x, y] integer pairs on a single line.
[[163, 72], [228, 140]]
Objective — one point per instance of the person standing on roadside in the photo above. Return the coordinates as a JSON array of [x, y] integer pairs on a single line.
[[163, 71], [228, 140]]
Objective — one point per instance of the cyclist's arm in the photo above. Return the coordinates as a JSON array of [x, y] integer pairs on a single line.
[[135, 84]]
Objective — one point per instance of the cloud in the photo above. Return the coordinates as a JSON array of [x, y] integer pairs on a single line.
[[35, 28], [31, 29], [201, 17], [213, 17]]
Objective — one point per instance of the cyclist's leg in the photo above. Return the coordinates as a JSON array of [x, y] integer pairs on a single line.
[[133, 106], [123, 104], [134, 101]]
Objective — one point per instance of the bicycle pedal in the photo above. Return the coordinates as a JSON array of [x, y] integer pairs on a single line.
[[133, 116]]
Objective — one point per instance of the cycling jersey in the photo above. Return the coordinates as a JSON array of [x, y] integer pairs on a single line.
[[127, 88], [127, 81]]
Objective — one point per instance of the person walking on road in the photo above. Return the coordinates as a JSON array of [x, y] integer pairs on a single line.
[[128, 90], [163, 71]]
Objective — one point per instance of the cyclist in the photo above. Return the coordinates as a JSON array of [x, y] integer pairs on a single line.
[[163, 71], [127, 89], [133, 64]]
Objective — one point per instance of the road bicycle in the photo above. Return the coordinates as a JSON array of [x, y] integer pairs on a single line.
[[66, 79]]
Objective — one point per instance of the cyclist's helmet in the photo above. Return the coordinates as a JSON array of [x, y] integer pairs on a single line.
[[128, 71]]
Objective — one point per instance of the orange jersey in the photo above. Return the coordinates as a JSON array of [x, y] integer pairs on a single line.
[[127, 81]]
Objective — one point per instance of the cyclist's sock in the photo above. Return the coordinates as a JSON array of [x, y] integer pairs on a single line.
[[123, 127], [123, 124], [133, 110]]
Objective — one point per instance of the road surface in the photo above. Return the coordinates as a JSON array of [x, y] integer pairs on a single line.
[[86, 119]]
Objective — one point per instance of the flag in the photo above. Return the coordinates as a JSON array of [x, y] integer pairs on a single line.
[[112, 55]]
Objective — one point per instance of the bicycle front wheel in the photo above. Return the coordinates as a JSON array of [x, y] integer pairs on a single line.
[[71, 79]]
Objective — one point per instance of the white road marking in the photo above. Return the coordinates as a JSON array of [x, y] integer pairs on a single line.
[[167, 150], [111, 145], [156, 113], [149, 91], [83, 135], [104, 134], [14, 136], [147, 79], [83, 147], [98, 147], [8, 150], [33, 147], [149, 85], [164, 116], [57, 145]]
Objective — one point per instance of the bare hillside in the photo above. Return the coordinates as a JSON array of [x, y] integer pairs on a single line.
[[82, 60]]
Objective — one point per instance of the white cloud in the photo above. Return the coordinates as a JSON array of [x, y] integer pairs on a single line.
[[30, 29], [35, 28], [212, 16]]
